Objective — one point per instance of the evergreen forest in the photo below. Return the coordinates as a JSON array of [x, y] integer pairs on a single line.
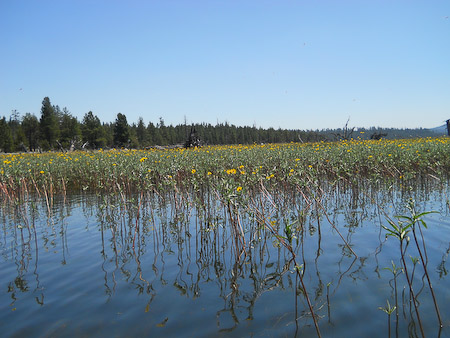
[[58, 129]]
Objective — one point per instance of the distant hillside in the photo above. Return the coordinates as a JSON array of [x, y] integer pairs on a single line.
[[441, 130], [387, 133]]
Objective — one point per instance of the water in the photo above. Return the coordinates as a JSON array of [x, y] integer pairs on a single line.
[[100, 266]]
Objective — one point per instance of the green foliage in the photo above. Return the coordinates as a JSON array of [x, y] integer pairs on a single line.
[[17, 133], [48, 125], [6, 140], [70, 130], [30, 126], [92, 131], [121, 131], [141, 133], [247, 166], [388, 309], [405, 223]]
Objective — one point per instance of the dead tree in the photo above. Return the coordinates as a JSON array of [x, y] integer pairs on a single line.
[[72, 145], [60, 146], [193, 140], [346, 132], [448, 127], [377, 136], [23, 148]]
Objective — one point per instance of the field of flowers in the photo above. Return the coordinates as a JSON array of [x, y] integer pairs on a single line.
[[226, 169]]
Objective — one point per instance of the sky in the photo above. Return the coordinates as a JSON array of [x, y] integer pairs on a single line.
[[284, 64]]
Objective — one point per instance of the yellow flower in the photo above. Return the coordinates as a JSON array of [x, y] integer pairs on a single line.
[[193, 171], [238, 189], [42, 171], [209, 173], [143, 159]]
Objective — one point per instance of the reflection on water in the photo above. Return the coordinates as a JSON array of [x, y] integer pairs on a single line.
[[184, 265]]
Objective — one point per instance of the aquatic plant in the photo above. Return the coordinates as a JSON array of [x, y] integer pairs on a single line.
[[395, 272], [416, 219], [388, 309], [406, 224], [240, 166]]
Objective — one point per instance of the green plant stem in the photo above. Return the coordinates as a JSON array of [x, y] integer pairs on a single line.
[[389, 325], [291, 250], [426, 274], [411, 289], [396, 304]]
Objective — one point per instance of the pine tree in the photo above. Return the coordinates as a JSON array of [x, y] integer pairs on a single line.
[[141, 133], [92, 131], [121, 131], [30, 126], [69, 127], [151, 134], [48, 125], [6, 140]]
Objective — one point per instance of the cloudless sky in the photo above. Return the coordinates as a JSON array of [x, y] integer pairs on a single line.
[[289, 64]]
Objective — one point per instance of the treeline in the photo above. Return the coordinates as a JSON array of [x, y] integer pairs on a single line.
[[58, 129]]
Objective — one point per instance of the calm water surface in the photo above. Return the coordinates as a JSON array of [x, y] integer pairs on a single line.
[[92, 265]]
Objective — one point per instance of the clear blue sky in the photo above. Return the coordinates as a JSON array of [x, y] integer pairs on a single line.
[[289, 64]]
